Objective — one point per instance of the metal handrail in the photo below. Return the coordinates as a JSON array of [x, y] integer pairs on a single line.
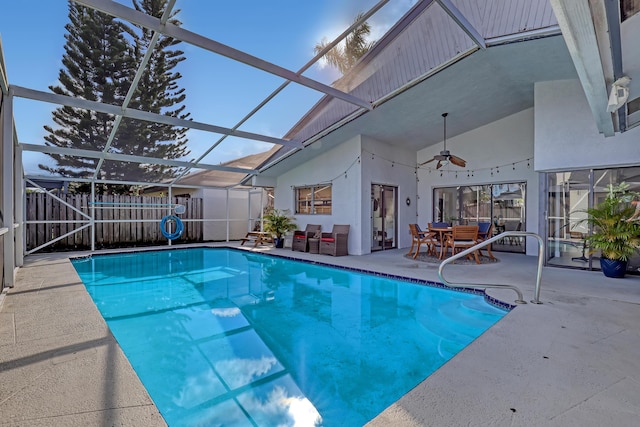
[[520, 300]]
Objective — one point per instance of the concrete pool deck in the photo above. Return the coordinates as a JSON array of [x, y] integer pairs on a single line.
[[572, 361]]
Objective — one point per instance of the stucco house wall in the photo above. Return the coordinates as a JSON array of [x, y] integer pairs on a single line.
[[566, 136], [351, 168], [387, 165], [341, 168]]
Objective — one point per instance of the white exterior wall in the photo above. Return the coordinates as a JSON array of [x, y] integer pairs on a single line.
[[214, 206], [501, 143], [388, 165], [566, 136], [339, 166]]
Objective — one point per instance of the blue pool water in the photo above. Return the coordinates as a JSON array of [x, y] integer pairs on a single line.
[[232, 338]]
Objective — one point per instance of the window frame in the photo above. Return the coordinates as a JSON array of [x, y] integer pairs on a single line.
[[316, 204]]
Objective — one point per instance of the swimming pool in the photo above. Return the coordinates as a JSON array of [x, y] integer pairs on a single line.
[[229, 337]]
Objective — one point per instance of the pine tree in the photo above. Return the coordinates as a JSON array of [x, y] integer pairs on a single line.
[[98, 65], [158, 92]]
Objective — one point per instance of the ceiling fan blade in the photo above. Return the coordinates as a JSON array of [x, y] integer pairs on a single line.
[[439, 165], [428, 161], [457, 161]]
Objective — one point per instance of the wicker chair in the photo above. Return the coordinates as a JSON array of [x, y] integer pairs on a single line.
[[335, 243], [301, 237]]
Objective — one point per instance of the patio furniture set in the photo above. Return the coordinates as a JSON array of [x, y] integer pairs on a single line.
[[450, 238], [313, 240]]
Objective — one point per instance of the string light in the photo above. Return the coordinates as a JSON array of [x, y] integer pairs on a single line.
[[470, 172]]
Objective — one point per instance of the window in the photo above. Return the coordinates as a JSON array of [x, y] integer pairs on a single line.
[[314, 200], [633, 113]]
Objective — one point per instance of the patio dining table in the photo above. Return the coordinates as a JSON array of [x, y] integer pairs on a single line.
[[442, 232]]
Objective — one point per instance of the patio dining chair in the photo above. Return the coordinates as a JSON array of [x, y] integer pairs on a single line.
[[301, 237], [335, 243], [420, 237], [485, 231], [513, 226], [462, 237]]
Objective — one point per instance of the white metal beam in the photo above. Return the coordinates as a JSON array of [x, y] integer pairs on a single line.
[[463, 22], [152, 23], [578, 29], [18, 209], [112, 181], [54, 98], [4, 82], [77, 152], [6, 124]]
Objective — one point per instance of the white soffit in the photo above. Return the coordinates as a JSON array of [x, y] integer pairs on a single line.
[[579, 32]]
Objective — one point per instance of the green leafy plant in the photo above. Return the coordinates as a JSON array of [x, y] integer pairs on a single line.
[[615, 237], [278, 222]]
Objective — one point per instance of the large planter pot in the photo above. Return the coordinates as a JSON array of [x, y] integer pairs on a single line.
[[279, 242], [613, 268]]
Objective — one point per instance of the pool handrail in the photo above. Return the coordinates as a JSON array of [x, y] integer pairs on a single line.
[[520, 300]]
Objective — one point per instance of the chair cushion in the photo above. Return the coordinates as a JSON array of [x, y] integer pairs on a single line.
[[298, 236], [328, 239], [464, 242]]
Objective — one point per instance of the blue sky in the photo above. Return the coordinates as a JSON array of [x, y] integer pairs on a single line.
[[219, 91]]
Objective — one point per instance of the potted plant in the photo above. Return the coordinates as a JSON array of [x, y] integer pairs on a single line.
[[278, 223], [615, 235]]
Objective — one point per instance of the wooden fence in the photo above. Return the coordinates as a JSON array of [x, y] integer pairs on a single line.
[[124, 226]]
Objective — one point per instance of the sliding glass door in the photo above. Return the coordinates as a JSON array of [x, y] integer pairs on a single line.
[[569, 195], [383, 217], [503, 204]]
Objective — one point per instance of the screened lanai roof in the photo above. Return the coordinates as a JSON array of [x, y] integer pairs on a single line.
[[248, 79], [256, 91]]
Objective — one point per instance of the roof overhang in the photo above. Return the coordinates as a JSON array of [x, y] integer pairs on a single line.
[[481, 87], [591, 29]]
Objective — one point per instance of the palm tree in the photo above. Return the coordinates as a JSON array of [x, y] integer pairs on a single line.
[[355, 46]]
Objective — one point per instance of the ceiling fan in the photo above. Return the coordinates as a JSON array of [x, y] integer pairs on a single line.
[[445, 157]]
